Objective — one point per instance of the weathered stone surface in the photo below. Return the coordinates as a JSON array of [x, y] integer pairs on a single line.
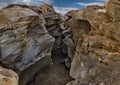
[[113, 9], [47, 9], [27, 41], [53, 25], [8, 77], [24, 41], [91, 13], [97, 60], [87, 42], [103, 20], [78, 28], [97, 56]]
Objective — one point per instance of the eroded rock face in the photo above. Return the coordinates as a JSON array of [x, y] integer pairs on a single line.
[[8, 77], [97, 57], [24, 40], [79, 28], [113, 10], [94, 58], [87, 42], [53, 25]]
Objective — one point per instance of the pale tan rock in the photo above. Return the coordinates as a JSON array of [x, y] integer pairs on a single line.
[[78, 28], [8, 77], [104, 21], [97, 57], [113, 9], [94, 59], [46, 8]]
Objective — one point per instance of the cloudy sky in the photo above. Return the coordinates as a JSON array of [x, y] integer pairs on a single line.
[[61, 6]]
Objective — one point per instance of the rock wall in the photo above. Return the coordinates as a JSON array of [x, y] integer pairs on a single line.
[[44, 48], [25, 43], [97, 56], [31, 41]]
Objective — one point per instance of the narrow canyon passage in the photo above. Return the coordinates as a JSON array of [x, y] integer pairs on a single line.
[[39, 46]]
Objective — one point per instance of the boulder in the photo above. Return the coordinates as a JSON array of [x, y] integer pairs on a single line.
[[8, 77], [25, 41]]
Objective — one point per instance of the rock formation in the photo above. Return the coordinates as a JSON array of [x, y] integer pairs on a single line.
[[97, 57], [8, 77], [45, 48], [26, 45], [28, 37]]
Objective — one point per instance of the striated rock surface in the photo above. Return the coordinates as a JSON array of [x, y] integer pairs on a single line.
[[8, 77], [96, 61], [56, 73], [97, 56], [53, 25], [43, 47], [31, 39], [25, 43]]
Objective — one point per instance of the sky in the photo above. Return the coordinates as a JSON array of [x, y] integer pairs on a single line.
[[61, 6]]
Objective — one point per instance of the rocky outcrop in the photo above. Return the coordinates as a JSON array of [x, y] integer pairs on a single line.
[[113, 10], [96, 61], [8, 77], [25, 45], [43, 47], [57, 73], [97, 57], [29, 35]]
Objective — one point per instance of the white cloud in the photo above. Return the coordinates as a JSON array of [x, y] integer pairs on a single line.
[[36, 2], [93, 3], [28, 2], [64, 10], [47, 1], [102, 0]]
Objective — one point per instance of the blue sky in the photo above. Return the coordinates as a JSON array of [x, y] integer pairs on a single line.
[[61, 6]]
